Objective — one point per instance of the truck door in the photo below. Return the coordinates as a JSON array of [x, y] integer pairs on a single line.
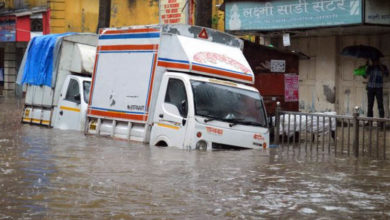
[[69, 106], [170, 120]]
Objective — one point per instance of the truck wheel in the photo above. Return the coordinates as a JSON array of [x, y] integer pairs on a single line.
[[161, 144]]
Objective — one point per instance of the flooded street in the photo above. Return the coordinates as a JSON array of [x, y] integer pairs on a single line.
[[54, 174]]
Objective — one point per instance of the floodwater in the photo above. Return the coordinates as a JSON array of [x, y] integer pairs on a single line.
[[54, 174]]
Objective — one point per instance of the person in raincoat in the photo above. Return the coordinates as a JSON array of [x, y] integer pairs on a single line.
[[375, 74]]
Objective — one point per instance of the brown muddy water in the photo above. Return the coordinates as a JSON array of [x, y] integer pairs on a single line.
[[54, 174]]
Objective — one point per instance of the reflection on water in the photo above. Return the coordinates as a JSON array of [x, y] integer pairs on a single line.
[[49, 173]]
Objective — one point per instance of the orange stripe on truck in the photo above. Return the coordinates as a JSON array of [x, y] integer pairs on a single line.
[[118, 115], [173, 65], [69, 109], [222, 73], [152, 78], [142, 30], [128, 47]]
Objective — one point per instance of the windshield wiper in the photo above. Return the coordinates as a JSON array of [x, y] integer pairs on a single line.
[[252, 123], [236, 121], [233, 121], [208, 117]]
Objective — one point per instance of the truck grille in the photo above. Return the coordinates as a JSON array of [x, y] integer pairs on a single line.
[[218, 146]]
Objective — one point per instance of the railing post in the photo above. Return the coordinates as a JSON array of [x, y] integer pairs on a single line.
[[356, 131], [277, 123]]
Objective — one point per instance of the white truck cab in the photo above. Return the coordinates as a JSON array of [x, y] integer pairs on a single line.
[[206, 113], [70, 113]]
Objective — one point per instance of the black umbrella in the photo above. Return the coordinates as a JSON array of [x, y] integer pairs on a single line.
[[362, 51]]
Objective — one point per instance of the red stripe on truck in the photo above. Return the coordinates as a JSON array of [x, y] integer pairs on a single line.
[[118, 115], [143, 30], [222, 73], [152, 79], [128, 47], [173, 65]]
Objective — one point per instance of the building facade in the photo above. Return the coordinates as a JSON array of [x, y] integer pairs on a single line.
[[320, 29], [20, 20]]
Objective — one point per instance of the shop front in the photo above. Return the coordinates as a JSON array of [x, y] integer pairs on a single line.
[[17, 27]]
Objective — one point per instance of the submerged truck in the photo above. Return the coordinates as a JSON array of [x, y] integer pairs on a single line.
[[56, 72], [175, 85]]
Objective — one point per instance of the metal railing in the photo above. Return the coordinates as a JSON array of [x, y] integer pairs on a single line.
[[330, 133]]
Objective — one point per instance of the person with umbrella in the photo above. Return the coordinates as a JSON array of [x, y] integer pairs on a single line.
[[374, 73]]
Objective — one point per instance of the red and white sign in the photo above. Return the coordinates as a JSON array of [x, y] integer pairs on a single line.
[[215, 58], [291, 88], [173, 12], [215, 131]]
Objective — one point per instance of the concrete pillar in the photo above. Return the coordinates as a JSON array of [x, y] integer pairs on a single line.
[[9, 68]]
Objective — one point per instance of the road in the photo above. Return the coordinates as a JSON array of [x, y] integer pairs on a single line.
[[55, 174]]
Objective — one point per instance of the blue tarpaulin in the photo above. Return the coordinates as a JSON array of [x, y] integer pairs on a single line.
[[39, 63]]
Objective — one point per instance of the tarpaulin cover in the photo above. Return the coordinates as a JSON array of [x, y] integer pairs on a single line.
[[39, 64]]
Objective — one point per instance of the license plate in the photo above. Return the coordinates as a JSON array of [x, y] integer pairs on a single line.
[[27, 113]]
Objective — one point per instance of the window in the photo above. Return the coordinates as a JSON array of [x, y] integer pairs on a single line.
[[36, 25], [87, 86], [227, 103], [73, 91], [176, 95], [36, 22]]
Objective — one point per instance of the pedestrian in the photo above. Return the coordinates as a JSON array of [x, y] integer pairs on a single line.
[[375, 74]]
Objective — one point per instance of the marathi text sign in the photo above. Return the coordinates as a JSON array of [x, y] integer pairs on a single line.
[[288, 14], [173, 12], [377, 12], [291, 88], [7, 29]]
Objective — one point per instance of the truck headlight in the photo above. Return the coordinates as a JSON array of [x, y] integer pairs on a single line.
[[201, 145]]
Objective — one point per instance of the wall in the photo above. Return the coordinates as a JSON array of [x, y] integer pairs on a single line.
[[327, 82], [218, 16], [17, 4], [73, 16], [134, 12], [36, 3]]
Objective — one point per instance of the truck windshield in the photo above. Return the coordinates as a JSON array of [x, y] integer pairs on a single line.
[[86, 87], [226, 103]]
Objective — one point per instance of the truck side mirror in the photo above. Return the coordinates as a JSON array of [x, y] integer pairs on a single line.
[[77, 98]]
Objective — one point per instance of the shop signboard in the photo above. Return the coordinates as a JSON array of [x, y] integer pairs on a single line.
[[292, 14], [377, 12], [7, 29], [278, 66], [175, 11], [291, 88]]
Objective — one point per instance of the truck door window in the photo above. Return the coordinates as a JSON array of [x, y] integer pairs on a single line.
[[86, 87], [73, 91], [176, 95]]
